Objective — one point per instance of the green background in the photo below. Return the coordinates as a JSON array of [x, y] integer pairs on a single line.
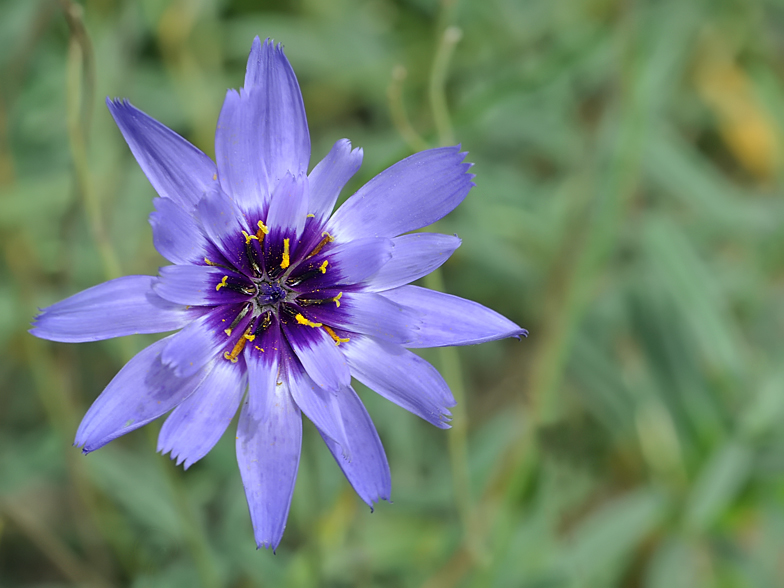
[[627, 211]]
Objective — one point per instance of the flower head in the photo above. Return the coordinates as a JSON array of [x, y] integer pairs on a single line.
[[276, 296]]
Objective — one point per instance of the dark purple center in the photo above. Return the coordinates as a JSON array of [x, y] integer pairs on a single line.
[[270, 293]]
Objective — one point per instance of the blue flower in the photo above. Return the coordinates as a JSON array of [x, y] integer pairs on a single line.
[[277, 296]]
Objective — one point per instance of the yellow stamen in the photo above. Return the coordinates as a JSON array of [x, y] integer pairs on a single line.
[[263, 230], [334, 335], [286, 261], [208, 262], [222, 283], [239, 346], [337, 298], [249, 237], [323, 266], [311, 215], [326, 238], [303, 321]]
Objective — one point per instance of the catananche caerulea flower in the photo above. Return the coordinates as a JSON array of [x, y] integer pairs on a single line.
[[276, 296]]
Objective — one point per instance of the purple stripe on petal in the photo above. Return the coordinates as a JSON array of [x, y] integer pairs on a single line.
[[198, 423], [411, 194], [262, 356], [330, 175], [143, 390], [369, 314], [223, 223], [262, 130], [413, 256], [402, 377], [175, 168], [367, 470], [203, 339], [320, 406], [289, 206], [268, 455], [450, 320], [319, 355], [347, 263], [119, 307], [202, 285], [175, 233]]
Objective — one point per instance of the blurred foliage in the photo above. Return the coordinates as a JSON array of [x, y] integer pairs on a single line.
[[628, 211]]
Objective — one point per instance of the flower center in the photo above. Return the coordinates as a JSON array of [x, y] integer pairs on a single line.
[[277, 292], [269, 293]]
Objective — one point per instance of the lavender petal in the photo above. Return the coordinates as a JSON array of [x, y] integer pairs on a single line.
[[198, 423], [201, 285], [199, 342], [347, 263], [289, 205], [268, 455], [330, 175], [401, 377], [262, 130], [175, 168], [372, 314], [143, 390], [175, 233], [413, 257], [223, 224], [319, 356], [119, 307], [262, 356], [320, 406], [411, 194], [450, 320], [367, 470]]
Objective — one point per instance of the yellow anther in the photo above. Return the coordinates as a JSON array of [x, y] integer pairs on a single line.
[[263, 230], [337, 298], [239, 346], [208, 262], [326, 238], [222, 283], [323, 266], [286, 260], [249, 237], [311, 215], [303, 321], [214, 176], [338, 340]]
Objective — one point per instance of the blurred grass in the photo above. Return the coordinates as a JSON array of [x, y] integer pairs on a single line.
[[628, 211]]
